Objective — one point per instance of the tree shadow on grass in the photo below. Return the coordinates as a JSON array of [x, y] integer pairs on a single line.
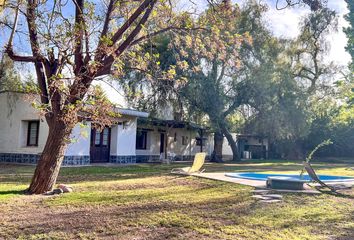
[[13, 192], [336, 193]]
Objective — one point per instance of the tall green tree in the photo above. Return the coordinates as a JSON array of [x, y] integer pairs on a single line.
[[207, 66], [291, 77], [349, 31]]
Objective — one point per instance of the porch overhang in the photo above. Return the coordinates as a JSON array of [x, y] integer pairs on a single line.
[[170, 123], [132, 112]]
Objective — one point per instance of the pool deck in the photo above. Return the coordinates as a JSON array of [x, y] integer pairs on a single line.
[[221, 176], [256, 183]]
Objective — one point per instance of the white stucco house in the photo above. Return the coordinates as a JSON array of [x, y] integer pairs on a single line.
[[135, 138]]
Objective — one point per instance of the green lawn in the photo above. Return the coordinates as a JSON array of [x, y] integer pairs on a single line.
[[146, 202]]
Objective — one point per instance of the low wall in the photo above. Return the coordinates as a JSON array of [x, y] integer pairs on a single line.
[[85, 160], [129, 159], [33, 159]]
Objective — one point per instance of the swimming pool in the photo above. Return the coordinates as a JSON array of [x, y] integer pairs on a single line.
[[264, 176]]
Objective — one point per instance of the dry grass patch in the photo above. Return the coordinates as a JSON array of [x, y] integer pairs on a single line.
[[145, 202]]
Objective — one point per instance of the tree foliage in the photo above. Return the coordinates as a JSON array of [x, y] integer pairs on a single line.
[[204, 64], [349, 31], [9, 79], [256, 84]]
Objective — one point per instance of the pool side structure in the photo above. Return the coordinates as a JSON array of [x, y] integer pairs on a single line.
[[259, 184]]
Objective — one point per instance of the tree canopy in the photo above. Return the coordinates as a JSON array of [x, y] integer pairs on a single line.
[[241, 77]]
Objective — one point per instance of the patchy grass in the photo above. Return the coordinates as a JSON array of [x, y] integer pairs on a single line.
[[146, 202]]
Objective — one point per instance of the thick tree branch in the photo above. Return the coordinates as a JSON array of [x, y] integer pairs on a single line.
[[105, 28], [18, 58], [52, 71], [118, 35], [39, 66], [9, 44], [79, 35], [232, 108], [107, 63], [108, 18], [9, 47]]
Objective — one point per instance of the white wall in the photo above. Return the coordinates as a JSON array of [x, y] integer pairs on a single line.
[[152, 143], [15, 111], [114, 140], [80, 145], [177, 147], [226, 149], [123, 137]]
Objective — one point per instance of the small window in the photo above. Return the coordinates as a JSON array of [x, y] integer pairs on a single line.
[[184, 140], [141, 138], [32, 133], [105, 137], [200, 140]]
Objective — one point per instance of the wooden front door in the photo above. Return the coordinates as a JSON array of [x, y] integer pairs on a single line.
[[100, 145]]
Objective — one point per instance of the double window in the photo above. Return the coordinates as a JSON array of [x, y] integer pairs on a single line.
[[32, 133], [141, 139], [102, 138]]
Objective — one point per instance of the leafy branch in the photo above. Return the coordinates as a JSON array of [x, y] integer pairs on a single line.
[[309, 157]]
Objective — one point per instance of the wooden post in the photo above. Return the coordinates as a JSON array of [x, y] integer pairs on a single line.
[[190, 144], [166, 140], [201, 140]]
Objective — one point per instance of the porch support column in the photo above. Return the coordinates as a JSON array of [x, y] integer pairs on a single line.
[[166, 140], [201, 140]]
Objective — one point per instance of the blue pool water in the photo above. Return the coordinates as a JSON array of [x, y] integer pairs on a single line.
[[264, 176]]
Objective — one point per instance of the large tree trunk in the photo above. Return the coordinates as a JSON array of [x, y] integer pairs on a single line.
[[232, 142], [218, 141], [49, 164]]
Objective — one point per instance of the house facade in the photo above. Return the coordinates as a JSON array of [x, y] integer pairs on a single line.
[[169, 139], [250, 146], [134, 139]]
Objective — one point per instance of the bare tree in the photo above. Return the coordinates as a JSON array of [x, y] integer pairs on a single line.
[[69, 51]]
